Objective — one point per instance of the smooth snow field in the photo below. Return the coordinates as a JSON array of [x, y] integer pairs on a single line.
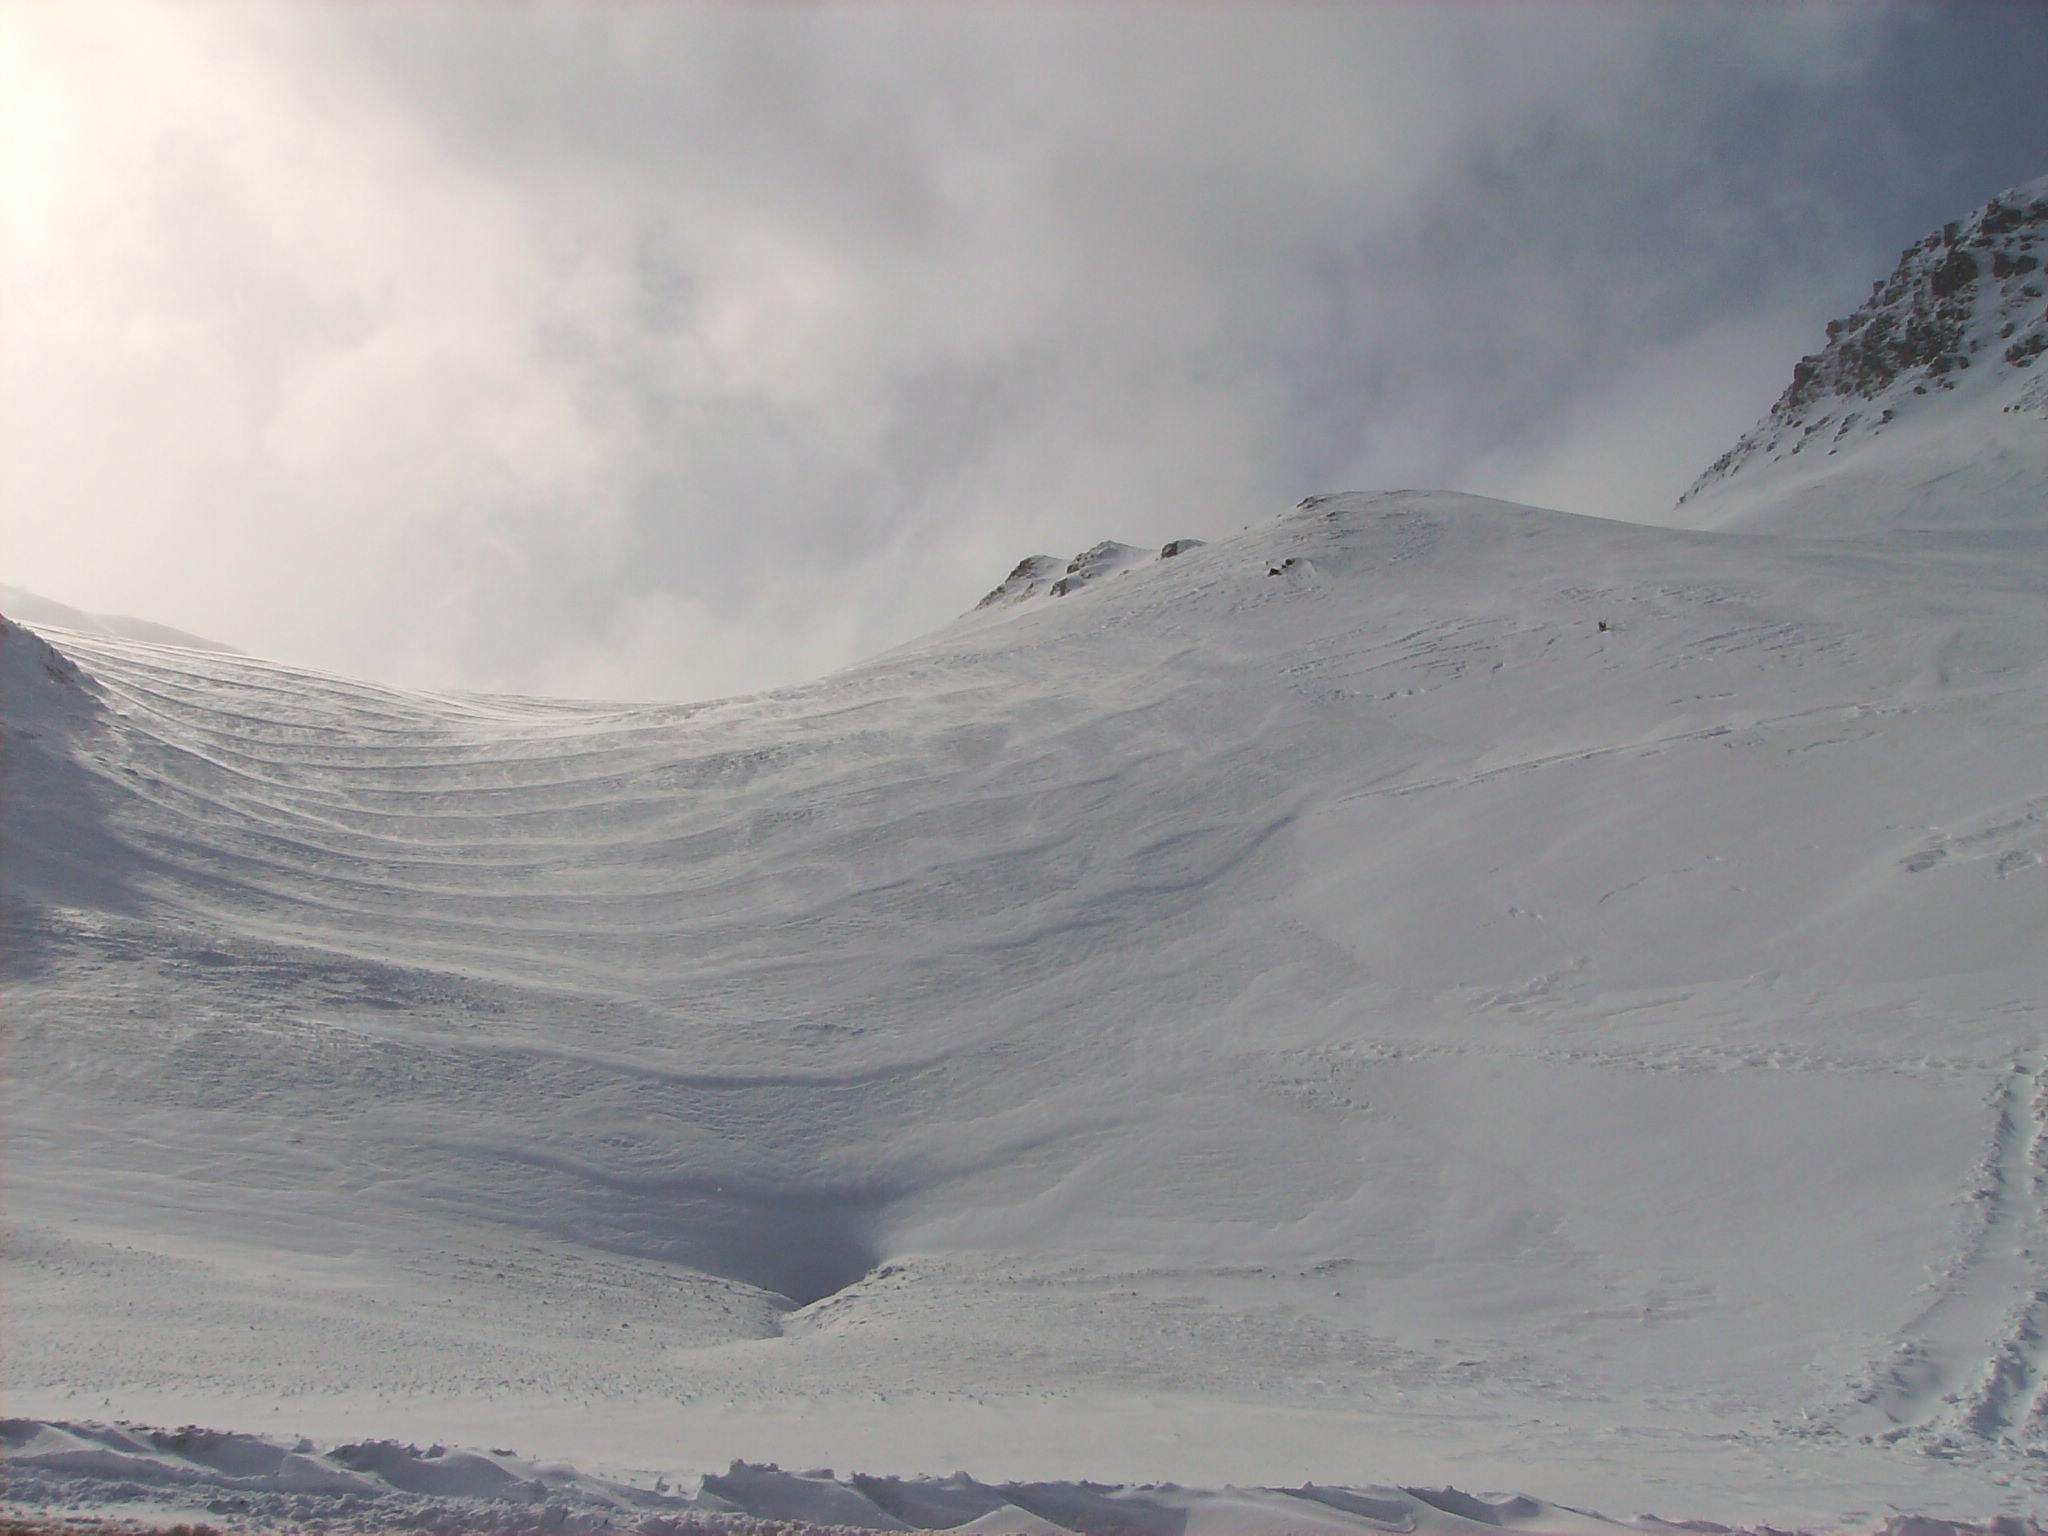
[[1315, 1008]]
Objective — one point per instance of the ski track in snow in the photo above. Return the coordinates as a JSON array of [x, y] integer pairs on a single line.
[[1970, 1364]]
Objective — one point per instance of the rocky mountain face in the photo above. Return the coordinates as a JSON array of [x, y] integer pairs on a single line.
[[1966, 308], [1048, 575]]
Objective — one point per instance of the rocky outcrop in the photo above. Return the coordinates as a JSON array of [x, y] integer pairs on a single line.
[[1047, 575], [1029, 577], [1965, 299]]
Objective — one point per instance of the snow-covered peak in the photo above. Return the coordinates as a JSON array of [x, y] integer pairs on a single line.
[[1960, 324]]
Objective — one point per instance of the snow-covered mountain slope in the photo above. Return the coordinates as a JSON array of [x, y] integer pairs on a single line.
[[1428, 990], [1928, 407]]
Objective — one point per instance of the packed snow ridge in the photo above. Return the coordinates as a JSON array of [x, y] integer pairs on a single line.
[[1427, 992]]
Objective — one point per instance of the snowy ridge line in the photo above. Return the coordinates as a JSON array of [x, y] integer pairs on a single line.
[[44, 613], [127, 1477], [285, 680]]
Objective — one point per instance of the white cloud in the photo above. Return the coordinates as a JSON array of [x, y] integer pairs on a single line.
[[683, 349], [1629, 451]]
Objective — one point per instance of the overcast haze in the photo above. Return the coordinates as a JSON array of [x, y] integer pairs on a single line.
[[644, 349]]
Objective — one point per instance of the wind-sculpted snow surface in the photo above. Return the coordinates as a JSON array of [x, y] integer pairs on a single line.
[[1428, 988]]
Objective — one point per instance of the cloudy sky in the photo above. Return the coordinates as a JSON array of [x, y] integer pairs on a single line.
[[660, 349]]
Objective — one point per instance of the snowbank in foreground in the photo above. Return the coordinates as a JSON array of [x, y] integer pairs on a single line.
[[243, 1482]]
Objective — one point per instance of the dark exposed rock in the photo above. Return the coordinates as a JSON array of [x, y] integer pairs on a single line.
[[1059, 578], [1025, 578], [1952, 275]]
